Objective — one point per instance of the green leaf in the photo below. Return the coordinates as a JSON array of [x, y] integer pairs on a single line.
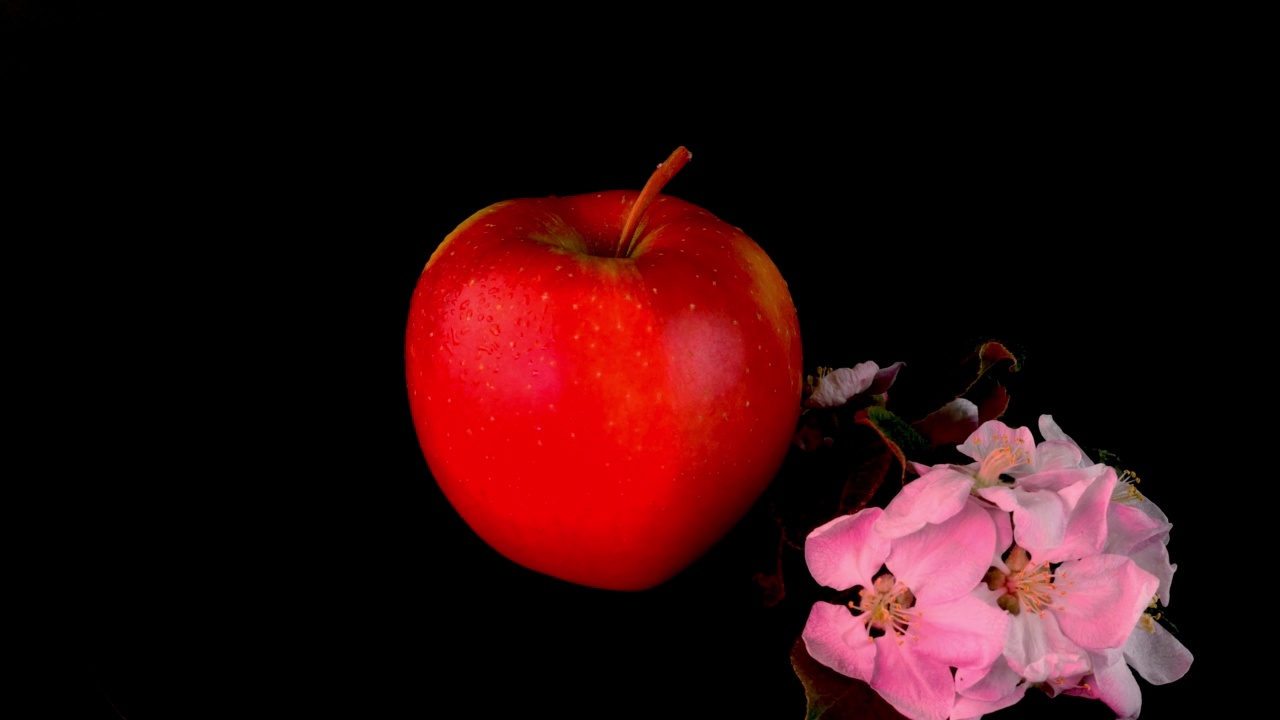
[[903, 439], [832, 696]]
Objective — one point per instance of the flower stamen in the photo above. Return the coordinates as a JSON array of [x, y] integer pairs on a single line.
[[1026, 586], [1126, 489], [998, 461], [886, 606]]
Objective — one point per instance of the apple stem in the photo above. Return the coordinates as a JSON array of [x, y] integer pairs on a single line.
[[657, 180]]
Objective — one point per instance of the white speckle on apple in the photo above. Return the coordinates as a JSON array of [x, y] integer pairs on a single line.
[[748, 404], [692, 306]]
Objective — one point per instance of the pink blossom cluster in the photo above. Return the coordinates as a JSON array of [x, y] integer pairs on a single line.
[[1032, 566]]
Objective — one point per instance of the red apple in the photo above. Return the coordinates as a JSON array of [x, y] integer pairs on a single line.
[[603, 384]]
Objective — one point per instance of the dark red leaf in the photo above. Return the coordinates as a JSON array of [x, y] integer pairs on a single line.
[[994, 402]]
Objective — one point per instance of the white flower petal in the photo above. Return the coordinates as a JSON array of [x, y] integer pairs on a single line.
[[1157, 655]]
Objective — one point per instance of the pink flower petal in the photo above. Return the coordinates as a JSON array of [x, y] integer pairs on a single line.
[[1053, 455], [1154, 558], [835, 638], [1129, 527], [965, 632], [930, 498], [1038, 651], [1112, 682], [988, 683], [943, 561], [979, 693], [918, 687], [1086, 531], [1060, 480], [884, 379], [846, 551], [967, 708], [1104, 597], [1039, 517], [1050, 431], [1004, 534], [993, 435]]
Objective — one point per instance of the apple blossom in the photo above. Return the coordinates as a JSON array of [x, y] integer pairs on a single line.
[[1056, 508], [1061, 614], [916, 616], [837, 387]]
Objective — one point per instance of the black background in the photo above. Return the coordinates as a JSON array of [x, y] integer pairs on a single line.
[[254, 531]]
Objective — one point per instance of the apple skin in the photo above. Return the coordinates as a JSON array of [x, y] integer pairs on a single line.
[[597, 419]]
